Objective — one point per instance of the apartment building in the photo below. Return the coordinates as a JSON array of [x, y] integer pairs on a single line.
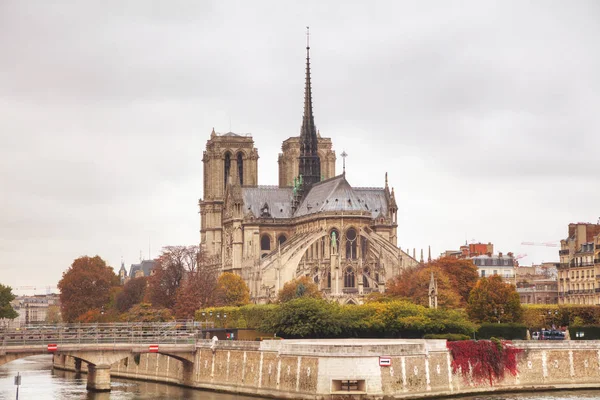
[[579, 268]]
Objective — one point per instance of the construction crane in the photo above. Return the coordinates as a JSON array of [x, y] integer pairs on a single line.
[[518, 257], [546, 244]]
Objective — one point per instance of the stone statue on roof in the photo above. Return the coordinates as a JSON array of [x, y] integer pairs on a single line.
[[334, 242]]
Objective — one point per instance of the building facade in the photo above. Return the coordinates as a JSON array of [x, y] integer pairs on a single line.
[[313, 223], [579, 268], [500, 264]]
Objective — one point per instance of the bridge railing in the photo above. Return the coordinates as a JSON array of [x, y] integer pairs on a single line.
[[105, 333]]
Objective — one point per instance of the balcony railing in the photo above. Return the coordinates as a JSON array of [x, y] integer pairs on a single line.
[[563, 252]]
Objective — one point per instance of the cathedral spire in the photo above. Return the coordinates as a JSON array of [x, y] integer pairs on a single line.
[[309, 162]]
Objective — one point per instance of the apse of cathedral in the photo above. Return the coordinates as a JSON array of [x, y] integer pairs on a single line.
[[314, 223]]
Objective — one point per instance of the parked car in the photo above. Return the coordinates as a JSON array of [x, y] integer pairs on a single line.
[[551, 335]]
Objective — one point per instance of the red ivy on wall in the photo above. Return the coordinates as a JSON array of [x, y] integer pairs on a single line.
[[484, 360]]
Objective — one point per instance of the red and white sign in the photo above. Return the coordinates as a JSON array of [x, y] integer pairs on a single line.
[[385, 361], [153, 348], [52, 347]]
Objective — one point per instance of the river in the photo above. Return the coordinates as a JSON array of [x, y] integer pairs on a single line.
[[39, 381]]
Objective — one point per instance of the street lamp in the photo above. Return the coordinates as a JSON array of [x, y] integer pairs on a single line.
[[224, 317]]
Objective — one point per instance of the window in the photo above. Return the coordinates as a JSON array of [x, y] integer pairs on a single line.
[[226, 167], [351, 244], [281, 239], [483, 273], [349, 278], [240, 165], [329, 279], [265, 242]]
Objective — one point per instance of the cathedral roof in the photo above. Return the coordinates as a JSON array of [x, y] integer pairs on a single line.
[[146, 266], [375, 200], [278, 200], [336, 194]]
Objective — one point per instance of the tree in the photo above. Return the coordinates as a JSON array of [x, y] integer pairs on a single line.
[[493, 300], [144, 312], [85, 286], [173, 265], [53, 315], [6, 296], [132, 293], [305, 317], [231, 290], [197, 291], [413, 284], [461, 273], [299, 287]]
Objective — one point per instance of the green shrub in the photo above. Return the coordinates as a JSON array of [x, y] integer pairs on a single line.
[[503, 331], [451, 337], [590, 332]]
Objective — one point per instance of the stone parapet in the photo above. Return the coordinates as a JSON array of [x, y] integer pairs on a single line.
[[328, 369]]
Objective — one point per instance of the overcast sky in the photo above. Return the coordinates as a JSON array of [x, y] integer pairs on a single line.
[[484, 114]]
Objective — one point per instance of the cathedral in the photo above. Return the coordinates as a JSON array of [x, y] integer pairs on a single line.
[[313, 223]]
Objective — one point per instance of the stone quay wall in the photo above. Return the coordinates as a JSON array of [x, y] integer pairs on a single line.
[[320, 369]]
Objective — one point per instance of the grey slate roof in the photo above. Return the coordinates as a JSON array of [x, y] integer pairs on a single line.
[[375, 200], [146, 265], [334, 194], [278, 199]]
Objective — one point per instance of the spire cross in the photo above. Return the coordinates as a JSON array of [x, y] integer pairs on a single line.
[[344, 155]]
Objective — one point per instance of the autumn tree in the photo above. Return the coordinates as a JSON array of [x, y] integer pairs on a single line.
[[85, 286], [299, 287], [413, 284], [493, 300], [231, 290], [132, 293], [6, 296], [461, 273], [198, 290], [144, 312]]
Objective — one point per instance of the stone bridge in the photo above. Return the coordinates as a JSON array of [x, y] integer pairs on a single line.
[[101, 345]]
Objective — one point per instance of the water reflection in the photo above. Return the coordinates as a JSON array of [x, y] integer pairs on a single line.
[[41, 382]]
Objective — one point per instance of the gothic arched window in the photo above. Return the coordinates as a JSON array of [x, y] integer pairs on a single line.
[[226, 167], [240, 165], [329, 279], [351, 244], [281, 239], [366, 275], [265, 242], [349, 280]]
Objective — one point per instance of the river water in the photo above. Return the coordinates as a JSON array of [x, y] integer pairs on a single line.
[[40, 382]]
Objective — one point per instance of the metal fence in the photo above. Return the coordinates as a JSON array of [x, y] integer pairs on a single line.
[[127, 332]]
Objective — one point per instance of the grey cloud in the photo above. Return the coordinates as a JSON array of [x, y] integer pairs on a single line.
[[483, 113]]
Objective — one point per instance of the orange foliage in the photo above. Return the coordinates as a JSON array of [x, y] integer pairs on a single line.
[[413, 284], [85, 286], [299, 287]]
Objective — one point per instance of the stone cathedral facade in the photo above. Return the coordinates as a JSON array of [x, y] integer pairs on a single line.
[[313, 223]]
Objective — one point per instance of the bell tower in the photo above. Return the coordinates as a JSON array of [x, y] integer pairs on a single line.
[[226, 155]]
